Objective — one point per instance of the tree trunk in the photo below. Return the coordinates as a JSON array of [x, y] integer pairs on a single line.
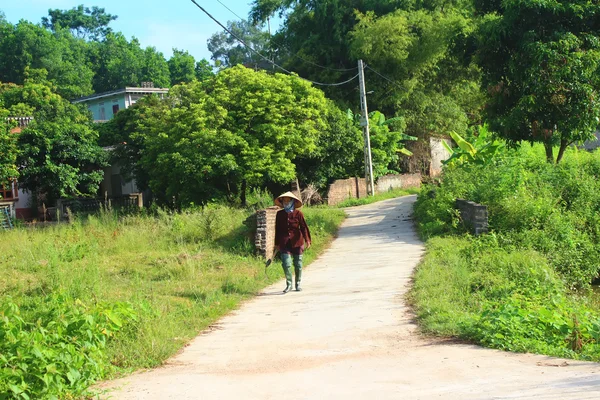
[[561, 152], [549, 152], [243, 193]]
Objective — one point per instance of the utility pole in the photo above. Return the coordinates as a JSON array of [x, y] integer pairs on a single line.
[[364, 122]]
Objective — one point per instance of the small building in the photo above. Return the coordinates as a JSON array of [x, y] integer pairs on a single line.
[[104, 106]]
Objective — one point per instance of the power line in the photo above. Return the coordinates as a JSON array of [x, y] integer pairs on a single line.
[[264, 57], [384, 77], [230, 10], [293, 54]]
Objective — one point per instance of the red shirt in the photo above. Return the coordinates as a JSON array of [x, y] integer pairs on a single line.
[[291, 231]]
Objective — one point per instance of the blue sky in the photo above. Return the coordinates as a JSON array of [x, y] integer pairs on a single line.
[[162, 24]]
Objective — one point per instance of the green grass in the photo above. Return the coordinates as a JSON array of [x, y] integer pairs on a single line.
[[378, 197], [525, 286], [179, 272]]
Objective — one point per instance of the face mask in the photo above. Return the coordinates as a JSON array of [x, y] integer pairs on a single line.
[[289, 206]]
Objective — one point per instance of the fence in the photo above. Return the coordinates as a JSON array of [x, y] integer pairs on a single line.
[[6, 217], [132, 201]]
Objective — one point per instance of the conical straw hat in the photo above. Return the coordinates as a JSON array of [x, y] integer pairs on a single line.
[[297, 202]]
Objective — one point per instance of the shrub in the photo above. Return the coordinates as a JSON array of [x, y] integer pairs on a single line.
[[525, 285], [62, 352]]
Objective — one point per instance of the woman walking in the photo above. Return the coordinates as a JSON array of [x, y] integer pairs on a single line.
[[292, 237]]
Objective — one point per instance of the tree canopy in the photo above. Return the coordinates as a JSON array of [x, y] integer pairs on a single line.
[[84, 22], [541, 62], [58, 155]]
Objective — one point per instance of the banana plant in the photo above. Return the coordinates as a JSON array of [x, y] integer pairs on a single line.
[[480, 152]]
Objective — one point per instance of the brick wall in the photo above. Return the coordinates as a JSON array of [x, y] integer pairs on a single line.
[[390, 182], [343, 189], [264, 240], [474, 216], [354, 188]]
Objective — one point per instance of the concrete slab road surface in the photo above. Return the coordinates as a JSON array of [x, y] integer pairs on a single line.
[[349, 335]]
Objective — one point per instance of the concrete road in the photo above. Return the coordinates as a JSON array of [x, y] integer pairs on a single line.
[[349, 335]]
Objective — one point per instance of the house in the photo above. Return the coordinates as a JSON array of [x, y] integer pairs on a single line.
[[17, 199], [103, 107]]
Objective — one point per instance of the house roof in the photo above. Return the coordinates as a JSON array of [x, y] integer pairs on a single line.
[[136, 90]]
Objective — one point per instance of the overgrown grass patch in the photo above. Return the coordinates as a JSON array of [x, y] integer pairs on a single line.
[[391, 194], [174, 274], [525, 286]]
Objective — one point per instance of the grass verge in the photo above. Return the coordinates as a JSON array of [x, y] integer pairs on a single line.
[[525, 286], [144, 285]]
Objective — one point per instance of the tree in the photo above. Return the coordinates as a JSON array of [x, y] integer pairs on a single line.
[[59, 156], [540, 62], [155, 68], [216, 138], [118, 63], [26, 45], [419, 49], [204, 70], [8, 148], [227, 51], [84, 22], [182, 67], [339, 151]]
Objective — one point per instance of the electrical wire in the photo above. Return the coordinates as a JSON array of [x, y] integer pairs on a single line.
[[383, 76], [264, 57], [287, 48]]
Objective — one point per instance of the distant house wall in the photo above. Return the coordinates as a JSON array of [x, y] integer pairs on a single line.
[[114, 184], [438, 155], [103, 109]]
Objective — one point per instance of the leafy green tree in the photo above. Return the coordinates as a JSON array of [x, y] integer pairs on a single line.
[[216, 138], [59, 156], [26, 45], [118, 63], [227, 51], [204, 70], [84, 22], [540, 62], [182, 67], [155, 68], [418, 49], [339, 151], [8, 148]]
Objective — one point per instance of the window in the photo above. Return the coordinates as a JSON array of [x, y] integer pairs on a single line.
[[9, 192], [102, 114], [115, 108]]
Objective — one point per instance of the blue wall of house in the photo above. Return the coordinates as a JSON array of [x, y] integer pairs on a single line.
[[97, 105]]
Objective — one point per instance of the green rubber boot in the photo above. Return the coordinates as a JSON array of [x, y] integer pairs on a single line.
[[298, 271], [286, 262]]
